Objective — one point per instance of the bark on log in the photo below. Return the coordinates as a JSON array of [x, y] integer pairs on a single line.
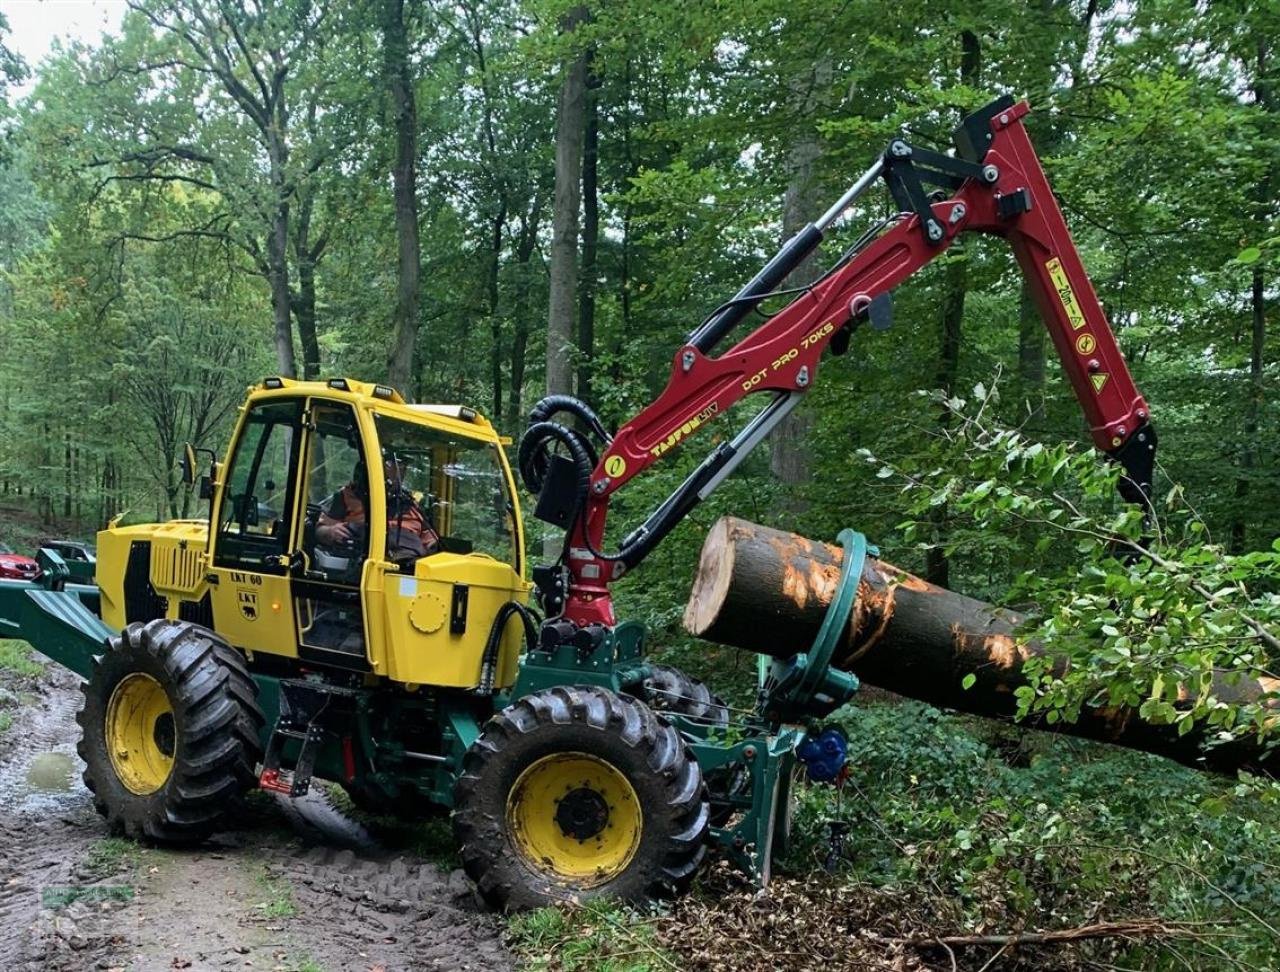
[[767, 591]]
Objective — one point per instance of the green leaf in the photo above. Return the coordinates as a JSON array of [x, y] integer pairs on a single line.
[[1249, 254], [969, 681]]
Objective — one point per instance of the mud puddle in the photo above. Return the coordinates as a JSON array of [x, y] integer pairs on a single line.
[[50, 773], [40, 773], [300, 888]]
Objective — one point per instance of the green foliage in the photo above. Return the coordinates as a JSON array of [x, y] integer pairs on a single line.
[[277, 896], [1051, 832], [1137, 611], [111, 855], [599, 936], [15, 656]]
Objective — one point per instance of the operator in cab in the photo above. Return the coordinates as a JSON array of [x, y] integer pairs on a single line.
[[409, 531]]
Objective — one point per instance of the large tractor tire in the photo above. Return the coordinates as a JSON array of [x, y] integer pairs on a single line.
[[668, 689], [170, 731], [575, 793]]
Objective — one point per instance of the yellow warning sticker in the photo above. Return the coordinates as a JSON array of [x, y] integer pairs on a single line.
[[1085, 343], [1068, 297], [615, 466], [1099, 379]]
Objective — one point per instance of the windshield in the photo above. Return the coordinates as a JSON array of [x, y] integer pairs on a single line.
[[458, 481]]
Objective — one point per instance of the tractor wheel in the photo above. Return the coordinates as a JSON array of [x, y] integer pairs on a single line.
[[576, 793], [667, 689], [170, 729]]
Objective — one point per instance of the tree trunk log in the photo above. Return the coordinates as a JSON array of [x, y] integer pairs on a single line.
[[767, 591], [400, 78], [562, 284]]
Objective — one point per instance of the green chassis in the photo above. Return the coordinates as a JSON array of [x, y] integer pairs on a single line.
[[59, 619]]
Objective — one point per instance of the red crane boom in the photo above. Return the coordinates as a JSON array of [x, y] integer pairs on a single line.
[[997, 186]]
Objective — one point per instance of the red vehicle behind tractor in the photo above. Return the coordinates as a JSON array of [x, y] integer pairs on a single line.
[[16, 566]]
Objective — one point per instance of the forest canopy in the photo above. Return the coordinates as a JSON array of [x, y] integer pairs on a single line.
[[211, 194]]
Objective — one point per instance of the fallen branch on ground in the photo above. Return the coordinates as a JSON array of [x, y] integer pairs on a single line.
[[1137, 928]]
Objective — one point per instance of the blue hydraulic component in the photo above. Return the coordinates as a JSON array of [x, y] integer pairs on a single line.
[[824, 755]]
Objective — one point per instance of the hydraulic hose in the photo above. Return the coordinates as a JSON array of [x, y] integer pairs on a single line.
[[555, 404], [534, 456], [489, 660]]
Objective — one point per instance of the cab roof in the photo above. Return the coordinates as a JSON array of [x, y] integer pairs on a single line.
[[380, 398]]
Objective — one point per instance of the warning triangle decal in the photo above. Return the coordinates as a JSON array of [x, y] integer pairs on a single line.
[[1098, 380]]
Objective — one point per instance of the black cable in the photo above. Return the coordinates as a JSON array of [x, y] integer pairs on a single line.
[[756, 299], [555, 404], [860, 244], [489, 660], [533, 457]]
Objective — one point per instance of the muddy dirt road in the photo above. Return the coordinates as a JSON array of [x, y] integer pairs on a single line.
[[274, 895]]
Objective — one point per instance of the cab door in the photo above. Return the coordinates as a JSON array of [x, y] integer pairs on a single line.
[[253, 530], [327, 609]]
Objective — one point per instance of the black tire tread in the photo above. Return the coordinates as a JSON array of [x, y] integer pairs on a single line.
[[679, 817], [217, 719], [668, 689]]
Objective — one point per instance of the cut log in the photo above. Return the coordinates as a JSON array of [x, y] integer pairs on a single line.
[[767, 591]]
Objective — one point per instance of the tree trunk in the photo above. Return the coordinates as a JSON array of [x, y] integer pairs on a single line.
[[1258, 331], [66, 475], [304, 302], [1252, 407], [278, 276], [617, 345], [570, 119], [525, 249], [768, 591], [590, 234], [496, 228], [1031, 355], [789, 452], [404, 182], [937, 564]]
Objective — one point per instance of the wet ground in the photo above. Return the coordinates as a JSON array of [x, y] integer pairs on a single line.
[[288, 891]]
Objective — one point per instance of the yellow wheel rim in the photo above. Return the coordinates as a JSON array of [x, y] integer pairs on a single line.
[[140, 733], [575, 817]]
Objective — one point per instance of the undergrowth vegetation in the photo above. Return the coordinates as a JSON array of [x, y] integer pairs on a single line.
[[600, 936], [15, 656], [1001, 835], [953, 826]]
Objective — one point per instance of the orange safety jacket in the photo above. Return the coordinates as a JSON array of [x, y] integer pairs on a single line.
[[409, 519]]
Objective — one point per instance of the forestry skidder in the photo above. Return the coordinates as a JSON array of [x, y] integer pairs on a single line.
[[356, 607]]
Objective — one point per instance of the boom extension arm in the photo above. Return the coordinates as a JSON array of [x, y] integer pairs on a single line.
[[998, 187]]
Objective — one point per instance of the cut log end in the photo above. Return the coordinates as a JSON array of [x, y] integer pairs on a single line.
[[711, 585], [757, 588]]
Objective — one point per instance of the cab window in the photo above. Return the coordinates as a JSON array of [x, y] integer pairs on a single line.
[[458, 482], [253, 520], [337, 488]]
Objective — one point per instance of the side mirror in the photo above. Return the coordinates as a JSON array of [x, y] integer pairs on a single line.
[[206, 487], [187, 464]]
